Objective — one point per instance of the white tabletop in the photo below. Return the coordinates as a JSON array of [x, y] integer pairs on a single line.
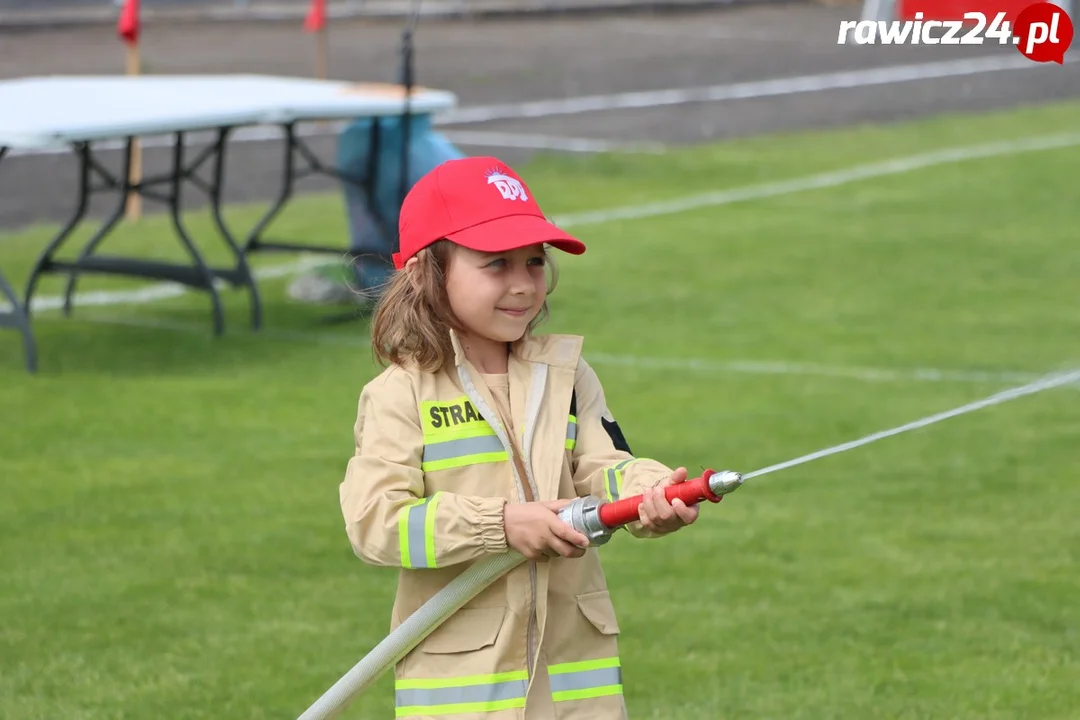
[[41, 112]]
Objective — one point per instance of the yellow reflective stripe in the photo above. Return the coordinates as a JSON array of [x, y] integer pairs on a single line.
[[416, 533], [455, 709], [586, 694], [429, 530], [461, 432], [571, 432], [581, 665], [585, 679], [464, 460], [614, 479], [455, 435], [435, 683]]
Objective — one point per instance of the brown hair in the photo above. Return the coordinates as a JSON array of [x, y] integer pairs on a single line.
[[413, 319]]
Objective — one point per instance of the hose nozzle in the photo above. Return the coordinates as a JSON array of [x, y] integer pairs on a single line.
[[725, 482]]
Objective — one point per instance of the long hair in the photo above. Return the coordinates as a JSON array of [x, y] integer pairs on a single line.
[[413, 318]]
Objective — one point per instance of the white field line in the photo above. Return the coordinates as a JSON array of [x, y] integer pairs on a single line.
[[744, 90], [761, 191], [1048, 382], [701, 365], [483, 138], [896, 166]]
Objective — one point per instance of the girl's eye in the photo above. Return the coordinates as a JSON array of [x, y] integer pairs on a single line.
[[538, 261], [497, 262]]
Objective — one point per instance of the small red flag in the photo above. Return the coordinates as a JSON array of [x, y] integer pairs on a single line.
[[316, 17], [128, 25]]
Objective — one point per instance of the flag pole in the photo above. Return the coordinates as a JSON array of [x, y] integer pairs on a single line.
[[128, 28], [134, 198], [315, 22]]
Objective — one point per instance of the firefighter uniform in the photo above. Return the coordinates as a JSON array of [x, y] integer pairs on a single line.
[[435, 463]]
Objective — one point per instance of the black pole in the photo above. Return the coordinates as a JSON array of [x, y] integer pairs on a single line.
[[407, 80]]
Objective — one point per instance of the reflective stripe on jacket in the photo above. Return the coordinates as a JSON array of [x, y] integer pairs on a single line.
[[425, 493]]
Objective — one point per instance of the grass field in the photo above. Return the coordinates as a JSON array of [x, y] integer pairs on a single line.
[[172, 544]]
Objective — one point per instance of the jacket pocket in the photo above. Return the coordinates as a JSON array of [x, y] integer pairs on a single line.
[[467, 630], [598, 609]]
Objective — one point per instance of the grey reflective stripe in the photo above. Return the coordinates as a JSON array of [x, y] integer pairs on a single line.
[[586, 679], [418, 535], [612, 484], [571, 430], [614, 474], [460, 448], [488, 692]]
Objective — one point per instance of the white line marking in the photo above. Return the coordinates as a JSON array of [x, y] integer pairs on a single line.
[[547, 142], [758, 367], [161, 291], [744, 367], [895, 166], [741, 91], [763, 191], [1046, 383]]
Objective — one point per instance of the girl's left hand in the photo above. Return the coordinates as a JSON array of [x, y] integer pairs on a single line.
[[661, 517]]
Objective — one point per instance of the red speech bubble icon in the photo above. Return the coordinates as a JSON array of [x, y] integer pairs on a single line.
[[1043, 33]]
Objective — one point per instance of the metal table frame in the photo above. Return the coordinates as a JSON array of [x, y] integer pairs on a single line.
[[167, 188]]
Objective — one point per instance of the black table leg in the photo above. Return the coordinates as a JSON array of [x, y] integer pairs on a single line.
[[16, 317], [198, 274], [45, 262], [294, 146], [243, 269], [111, 221]]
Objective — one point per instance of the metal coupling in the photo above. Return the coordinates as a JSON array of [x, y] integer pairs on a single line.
[[583, 514], [724, 482]]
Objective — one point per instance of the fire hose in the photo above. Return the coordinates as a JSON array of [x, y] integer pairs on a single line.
[[598, 520], [595, 518]]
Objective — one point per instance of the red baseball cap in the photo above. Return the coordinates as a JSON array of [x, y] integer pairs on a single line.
[[479, 203]]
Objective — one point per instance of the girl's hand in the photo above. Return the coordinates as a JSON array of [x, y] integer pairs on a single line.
[[661, 517], [535, 531]]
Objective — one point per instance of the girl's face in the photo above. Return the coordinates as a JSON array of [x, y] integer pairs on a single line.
[[496, 295]]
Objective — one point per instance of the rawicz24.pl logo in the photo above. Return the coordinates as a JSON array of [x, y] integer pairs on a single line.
[[1041, 31]]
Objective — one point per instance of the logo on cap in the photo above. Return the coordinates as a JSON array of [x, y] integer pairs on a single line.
[[510, 188]]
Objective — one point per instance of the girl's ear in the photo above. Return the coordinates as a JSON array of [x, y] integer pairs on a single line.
[[412, 267]]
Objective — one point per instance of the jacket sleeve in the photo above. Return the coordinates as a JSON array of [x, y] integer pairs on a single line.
[[603, 464], [390, 519]]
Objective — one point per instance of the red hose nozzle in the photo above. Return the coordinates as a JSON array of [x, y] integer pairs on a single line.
[[597, 519], [711, 486]]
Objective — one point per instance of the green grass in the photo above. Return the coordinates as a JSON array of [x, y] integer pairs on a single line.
[[172, 544]]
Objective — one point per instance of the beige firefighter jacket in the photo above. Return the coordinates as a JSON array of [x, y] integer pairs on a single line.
[[425, 492]]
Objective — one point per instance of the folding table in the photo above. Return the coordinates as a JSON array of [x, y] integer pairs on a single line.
[[76, 112]]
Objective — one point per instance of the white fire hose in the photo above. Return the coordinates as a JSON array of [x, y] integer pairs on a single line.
[[597, 520], [594, 518]]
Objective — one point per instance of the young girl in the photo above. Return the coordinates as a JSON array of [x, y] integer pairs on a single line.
[[470, 442]]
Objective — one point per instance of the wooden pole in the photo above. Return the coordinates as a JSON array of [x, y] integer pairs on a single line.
[[134, 200]]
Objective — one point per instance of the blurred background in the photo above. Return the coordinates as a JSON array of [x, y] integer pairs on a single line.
[[793, 243]]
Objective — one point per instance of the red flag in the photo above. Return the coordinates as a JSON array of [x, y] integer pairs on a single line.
[[316, 17], [128, 25]]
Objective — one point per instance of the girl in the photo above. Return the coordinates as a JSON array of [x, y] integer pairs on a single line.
[[470, 442]]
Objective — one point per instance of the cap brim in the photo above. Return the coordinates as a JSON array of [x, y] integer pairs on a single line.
[[515, 231]]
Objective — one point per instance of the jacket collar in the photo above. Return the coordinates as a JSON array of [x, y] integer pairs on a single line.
[[558, 350]]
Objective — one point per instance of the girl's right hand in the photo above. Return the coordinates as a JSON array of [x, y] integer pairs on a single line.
[[535, 531]]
